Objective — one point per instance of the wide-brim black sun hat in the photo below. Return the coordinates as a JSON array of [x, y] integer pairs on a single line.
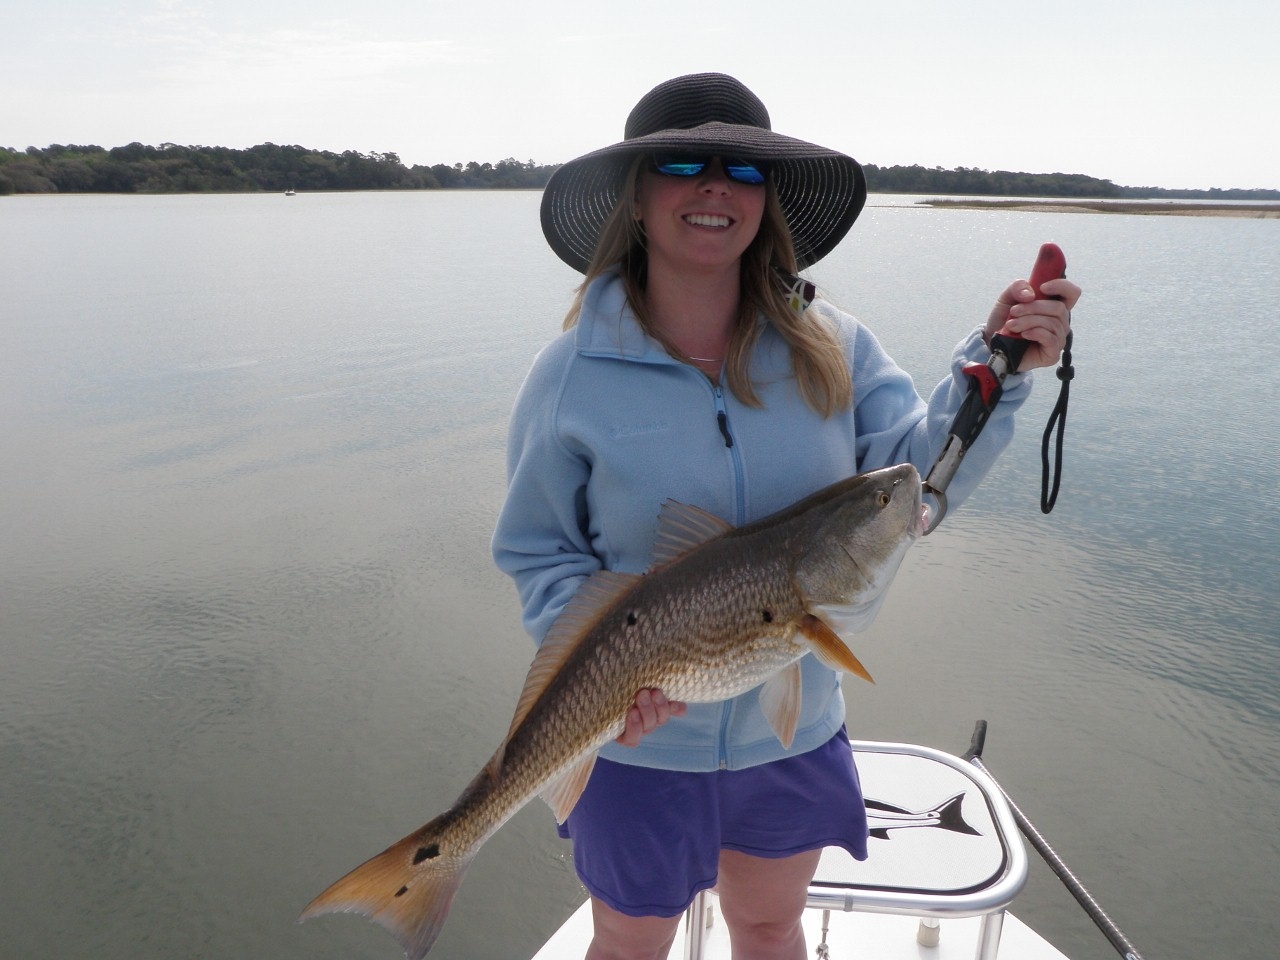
[[822, 191]]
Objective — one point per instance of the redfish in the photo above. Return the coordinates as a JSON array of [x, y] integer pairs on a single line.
[[721, 611]]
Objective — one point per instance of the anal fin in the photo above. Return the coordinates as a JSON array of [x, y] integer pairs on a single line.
[[562, 794]]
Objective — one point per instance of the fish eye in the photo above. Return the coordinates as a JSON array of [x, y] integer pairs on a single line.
[[883, 498]]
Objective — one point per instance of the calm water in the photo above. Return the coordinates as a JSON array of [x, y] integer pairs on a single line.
[[251, 633]]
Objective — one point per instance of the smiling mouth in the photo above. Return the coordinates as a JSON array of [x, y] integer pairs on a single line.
[[707, 220]]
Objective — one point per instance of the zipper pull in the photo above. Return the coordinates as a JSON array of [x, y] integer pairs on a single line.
[[722, 419]]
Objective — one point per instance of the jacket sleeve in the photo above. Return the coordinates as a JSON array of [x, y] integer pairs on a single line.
[[895, 425], [541, 540]]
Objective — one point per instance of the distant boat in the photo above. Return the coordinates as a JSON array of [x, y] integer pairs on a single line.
[[290, 192]]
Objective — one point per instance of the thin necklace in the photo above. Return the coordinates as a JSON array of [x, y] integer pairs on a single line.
[[706, 359]]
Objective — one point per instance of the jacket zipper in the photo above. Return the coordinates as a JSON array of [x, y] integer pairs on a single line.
[[722, 747], [739, 484], [739, 518]]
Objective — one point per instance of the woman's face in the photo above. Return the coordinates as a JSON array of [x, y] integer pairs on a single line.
[[704, 221]]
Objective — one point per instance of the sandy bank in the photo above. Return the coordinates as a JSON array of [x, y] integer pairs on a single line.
[[1147, 208]]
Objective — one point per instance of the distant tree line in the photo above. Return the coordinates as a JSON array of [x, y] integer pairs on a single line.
[[969, 181], [170, 168]]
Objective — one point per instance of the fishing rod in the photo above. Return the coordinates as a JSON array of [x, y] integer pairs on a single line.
[[1050, 856], [986, 385]]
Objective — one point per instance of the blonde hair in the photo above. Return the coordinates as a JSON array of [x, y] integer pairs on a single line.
[[817, 355]]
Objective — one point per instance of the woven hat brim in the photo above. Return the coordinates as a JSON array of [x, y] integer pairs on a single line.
[[821, 191]]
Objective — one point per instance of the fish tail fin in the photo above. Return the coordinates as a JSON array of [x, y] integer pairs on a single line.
[[408, 889], [951, 817]]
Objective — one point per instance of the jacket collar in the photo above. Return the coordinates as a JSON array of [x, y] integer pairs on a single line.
[[607, 326]]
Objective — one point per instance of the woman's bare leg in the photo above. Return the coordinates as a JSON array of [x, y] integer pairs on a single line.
[[762, 900], [622, 937]]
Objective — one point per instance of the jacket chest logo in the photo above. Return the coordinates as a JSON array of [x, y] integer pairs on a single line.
[[625, 431]]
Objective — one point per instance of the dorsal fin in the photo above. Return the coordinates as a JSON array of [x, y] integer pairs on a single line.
[[682, 528], [596, 594]]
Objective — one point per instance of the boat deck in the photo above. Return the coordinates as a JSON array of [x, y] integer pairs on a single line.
[[944, 846], [850, 935]]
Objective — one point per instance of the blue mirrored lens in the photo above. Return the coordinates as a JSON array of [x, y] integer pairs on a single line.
[[743, 171], [680, 168]]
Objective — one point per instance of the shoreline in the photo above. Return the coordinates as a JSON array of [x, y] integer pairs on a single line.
[[1177, 208]]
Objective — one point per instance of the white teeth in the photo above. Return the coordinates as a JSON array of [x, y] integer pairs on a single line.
[[707, 220]]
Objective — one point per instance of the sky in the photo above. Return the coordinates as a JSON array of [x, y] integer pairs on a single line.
[[1170, 94]]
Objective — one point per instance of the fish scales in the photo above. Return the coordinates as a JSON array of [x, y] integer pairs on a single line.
[[703, 644]]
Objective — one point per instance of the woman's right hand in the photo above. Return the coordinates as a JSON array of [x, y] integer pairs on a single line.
[[650, 710], [1044, 324]]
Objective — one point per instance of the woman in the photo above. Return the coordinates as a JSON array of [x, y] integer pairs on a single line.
[[694, 367]]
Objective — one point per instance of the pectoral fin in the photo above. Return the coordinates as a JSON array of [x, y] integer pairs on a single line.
[[780, 699], [562, 795], [829, 648]]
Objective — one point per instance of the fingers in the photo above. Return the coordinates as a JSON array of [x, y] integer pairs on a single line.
[[1062, 287], [1019, 291], [1014, 294], [650, 711], [1043, 323]]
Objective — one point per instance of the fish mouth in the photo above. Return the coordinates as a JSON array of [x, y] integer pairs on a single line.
[[716, 220], [920, 512], [921, 521]]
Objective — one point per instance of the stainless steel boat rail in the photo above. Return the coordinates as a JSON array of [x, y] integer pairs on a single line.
[[935, 871]]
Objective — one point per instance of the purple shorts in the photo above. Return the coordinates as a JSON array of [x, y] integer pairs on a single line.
[[645, 841]]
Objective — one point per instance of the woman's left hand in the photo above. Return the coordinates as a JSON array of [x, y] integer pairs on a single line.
[[650, 710], [1044, 324]]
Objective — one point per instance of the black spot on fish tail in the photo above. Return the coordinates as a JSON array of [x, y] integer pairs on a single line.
[[402, 891], [768, 616], [631, 620], [426, 853]]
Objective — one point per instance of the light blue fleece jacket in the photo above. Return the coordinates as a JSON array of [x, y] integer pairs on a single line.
[[608, 425]]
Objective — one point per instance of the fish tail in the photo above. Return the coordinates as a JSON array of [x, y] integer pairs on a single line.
[[951, 817], [408, 889]]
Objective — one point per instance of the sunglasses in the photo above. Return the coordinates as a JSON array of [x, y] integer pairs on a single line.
[[736, 169]]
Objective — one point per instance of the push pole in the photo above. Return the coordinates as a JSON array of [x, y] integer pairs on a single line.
[[1091, 906]]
